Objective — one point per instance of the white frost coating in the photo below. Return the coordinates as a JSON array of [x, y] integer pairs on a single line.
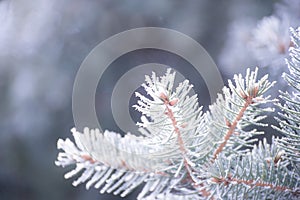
[[183, 153]]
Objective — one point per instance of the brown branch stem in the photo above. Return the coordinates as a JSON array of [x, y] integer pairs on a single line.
[[180, 141], [232, 126], [251, 183]]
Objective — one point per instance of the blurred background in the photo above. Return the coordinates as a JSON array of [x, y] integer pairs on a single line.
[[43, 43]]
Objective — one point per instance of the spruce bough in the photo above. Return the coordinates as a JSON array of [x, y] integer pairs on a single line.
[[185, 153]]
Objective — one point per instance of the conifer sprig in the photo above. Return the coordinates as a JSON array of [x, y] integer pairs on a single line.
[[180, 144]]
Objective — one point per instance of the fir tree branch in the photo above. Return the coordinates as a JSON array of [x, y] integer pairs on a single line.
[[177, 142], [183, 117], [232, 126], [251, 183], [259, 174], [290, 116], [240, 107], [108, 163], [170, 114]]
